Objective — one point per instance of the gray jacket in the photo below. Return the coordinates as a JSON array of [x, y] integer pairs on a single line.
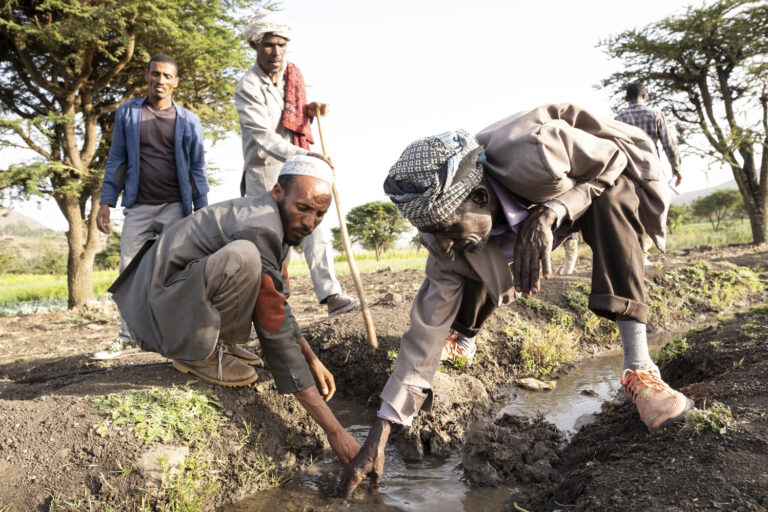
[[163, 299]]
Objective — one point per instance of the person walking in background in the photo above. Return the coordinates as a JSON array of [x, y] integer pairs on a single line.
[[157, 162], [653, 123], [275, 122]]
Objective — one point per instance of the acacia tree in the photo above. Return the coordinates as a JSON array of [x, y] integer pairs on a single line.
[[716, 206], [709, 69], [65, 67], [376, 225]]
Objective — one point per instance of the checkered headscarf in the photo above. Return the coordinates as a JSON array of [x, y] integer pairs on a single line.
[[434, 175]]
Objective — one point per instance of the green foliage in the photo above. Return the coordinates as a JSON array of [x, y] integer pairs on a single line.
[[65, 67], [544, 349], [33, 287], [717, 206], [717, 418], [676, 216], [191, 486], [555, 313], [391, 354], [671, 350], [707, 67], [336, 241], [109, 258], [162, 414], [376, 226]]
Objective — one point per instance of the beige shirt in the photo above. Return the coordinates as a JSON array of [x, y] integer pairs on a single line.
[[260, 103]]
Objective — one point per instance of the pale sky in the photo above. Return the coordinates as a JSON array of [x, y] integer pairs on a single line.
[[396, 71]]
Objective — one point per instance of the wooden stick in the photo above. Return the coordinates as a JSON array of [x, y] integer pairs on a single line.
[[348, 250]]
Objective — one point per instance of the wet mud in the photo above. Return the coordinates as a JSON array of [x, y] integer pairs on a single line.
[[612, 464]]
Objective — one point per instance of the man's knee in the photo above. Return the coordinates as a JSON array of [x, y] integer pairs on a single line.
[[240, 259]]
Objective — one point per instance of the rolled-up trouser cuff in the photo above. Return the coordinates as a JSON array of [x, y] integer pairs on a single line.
[[406, 400], [618, 308]]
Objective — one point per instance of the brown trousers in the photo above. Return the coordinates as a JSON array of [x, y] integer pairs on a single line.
[[612, 229]]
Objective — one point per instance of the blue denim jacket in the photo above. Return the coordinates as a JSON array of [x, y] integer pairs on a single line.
[[122, 171]]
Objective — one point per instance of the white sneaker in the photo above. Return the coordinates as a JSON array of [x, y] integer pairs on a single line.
[[118, 347]]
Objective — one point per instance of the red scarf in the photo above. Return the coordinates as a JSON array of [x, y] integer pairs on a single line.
[[295, 116]]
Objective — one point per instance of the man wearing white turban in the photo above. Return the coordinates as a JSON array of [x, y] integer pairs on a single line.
[[275, 122]]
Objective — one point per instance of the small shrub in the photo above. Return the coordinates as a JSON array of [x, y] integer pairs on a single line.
[[676, 347], [161, 414], [717, 418]]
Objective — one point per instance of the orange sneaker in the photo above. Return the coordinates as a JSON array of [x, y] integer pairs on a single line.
[[658, 404], [453, 351]]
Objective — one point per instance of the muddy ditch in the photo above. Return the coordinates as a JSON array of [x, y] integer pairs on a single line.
[[53, 458]]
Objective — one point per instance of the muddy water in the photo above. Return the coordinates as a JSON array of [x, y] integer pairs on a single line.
[[436, 484]]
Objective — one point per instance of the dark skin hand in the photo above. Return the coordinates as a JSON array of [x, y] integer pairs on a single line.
[[369, 461], [533, 249], [314, 400], [102, 218]]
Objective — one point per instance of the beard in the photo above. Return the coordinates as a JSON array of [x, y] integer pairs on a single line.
[[288, 230]]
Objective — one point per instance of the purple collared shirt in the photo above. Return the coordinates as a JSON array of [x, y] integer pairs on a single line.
[[505, 233]]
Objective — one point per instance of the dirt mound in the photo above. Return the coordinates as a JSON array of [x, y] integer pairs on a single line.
[[458, 401], [615, 464], [514, 451]]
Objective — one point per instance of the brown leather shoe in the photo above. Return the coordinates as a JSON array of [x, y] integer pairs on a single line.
[[220, 368], [339, 304], [242, 354]]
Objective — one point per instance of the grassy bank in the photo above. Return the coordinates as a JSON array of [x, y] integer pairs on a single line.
[[39, 287], [36, 287]]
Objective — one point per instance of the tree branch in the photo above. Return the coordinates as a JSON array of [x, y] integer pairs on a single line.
[[102, 82], [27, 138]]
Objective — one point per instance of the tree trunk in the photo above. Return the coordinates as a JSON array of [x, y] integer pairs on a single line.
[[80, 254], [759, 223]]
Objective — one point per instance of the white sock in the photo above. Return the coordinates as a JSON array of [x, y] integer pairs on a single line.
[[635, 343], [466, 343]]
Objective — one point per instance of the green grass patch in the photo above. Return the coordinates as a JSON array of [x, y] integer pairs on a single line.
[[366, 262], [190, 487], [162, 414], [37, 287], [715, 287], [544, 349], [555, 313], [717, 418], [700, 234], [676, 347]]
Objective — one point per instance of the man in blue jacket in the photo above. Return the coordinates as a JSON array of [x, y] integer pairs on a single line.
[[157, 162]]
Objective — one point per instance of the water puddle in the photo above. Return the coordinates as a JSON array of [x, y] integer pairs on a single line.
[[435, 483], [580, 394]]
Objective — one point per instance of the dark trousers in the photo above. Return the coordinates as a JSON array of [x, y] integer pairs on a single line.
[[612, 229]]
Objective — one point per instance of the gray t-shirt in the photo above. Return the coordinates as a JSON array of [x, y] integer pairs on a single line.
[[158, 181]]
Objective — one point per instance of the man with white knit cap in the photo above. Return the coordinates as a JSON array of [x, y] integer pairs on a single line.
[[193, 293], [275, 122]]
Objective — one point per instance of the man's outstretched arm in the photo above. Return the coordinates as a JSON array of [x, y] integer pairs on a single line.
[[343, 444], [369, 462]]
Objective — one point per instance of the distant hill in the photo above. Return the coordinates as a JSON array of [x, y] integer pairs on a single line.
[[688, 197], [14, 223]]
